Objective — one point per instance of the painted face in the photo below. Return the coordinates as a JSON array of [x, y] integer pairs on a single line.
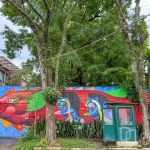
[[62, 105], [92, 107]]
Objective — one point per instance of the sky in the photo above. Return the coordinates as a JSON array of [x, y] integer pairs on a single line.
[[24, 55]]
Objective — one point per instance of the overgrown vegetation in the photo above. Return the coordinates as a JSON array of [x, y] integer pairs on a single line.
[[51, 95], [73, 129], [67, 135], [28, 141]]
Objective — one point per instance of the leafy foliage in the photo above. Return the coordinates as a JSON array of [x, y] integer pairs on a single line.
[[51, 95], [70, 129]]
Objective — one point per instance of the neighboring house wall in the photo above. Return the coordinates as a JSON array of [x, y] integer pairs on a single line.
[[82, 104], [18, 79], [4, 75], [7, 69]]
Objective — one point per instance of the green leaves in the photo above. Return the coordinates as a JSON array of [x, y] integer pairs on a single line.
[[14, 42], [51, 95]]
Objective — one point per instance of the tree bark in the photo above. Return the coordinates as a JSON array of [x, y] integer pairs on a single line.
[[138, 61], [142, 90], [50, 124], [65, 28]]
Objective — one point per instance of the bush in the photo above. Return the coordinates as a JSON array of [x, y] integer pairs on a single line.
[[51, 95], [68, 129]]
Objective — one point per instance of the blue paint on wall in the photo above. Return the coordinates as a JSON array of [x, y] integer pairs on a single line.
[[11, 131], [5, 89]]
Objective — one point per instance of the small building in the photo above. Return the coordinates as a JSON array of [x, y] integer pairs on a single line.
[[7, 69]]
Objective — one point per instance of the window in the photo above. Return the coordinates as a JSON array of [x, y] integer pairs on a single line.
[[3, 76], [125, 116], [108, 116]]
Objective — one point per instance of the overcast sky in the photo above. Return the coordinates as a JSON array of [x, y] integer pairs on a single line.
[[145, 9]]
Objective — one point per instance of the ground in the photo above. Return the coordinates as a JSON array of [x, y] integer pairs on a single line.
[[8, 143], [99, 143]]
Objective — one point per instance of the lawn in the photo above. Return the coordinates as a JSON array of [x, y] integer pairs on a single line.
[[60, 142]]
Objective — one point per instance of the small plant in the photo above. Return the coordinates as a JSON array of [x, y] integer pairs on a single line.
[[43, 142], [51, 95]]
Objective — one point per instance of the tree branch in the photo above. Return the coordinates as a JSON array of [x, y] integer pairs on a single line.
[[83, 16], [64, 4], [123, 22], [65, 28], [46, 5], [34, 10], [36, 33], [48, 18], [95, 16], [141, 39], [28, 19]]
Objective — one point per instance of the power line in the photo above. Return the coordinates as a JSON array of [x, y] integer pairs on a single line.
[[104, 26], [96, 41]]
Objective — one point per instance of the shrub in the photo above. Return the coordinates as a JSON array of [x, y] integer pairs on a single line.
[[51, 95]]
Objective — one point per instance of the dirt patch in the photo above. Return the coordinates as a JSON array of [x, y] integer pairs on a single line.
[[8, 143], [99, 143]]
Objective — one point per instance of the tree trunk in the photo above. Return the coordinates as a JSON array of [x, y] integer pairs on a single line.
[[50, 124], [49, 67], [63, 42], [144, 109], [50, 121], [141, 70], [138, 60]]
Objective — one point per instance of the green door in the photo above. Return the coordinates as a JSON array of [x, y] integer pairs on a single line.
[[109, 133], [126, 123]]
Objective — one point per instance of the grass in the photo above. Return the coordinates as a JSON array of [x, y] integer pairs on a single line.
[[65, 143]]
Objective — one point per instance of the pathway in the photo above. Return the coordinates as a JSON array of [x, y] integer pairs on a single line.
[[8, 143]]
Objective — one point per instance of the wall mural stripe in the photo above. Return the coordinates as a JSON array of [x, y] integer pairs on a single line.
[[18, 106]]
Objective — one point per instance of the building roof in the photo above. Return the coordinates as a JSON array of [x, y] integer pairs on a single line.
[[122, 103], [4, 62]]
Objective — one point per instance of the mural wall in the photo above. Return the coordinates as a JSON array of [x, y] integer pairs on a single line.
[[19, 108]]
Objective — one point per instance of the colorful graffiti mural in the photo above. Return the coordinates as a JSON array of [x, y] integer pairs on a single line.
[[19, 107]]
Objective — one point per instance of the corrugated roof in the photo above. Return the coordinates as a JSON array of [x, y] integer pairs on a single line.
[[4, 62]]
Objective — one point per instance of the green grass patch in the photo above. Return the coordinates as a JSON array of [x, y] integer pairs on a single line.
[[30, 144], [65, 143], [73, 143]]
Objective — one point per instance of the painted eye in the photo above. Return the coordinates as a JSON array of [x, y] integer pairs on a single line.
[[11, 100]]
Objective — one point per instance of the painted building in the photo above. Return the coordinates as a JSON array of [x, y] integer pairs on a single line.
[[20, 107]]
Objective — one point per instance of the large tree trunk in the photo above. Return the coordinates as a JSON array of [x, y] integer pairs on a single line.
[[50, 124], [47, 81], [144, 109], [49, 67], [138, 60], [50, 121], [41, 32], [141, 70]]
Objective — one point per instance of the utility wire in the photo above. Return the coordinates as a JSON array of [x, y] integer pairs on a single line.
[[96, 41]]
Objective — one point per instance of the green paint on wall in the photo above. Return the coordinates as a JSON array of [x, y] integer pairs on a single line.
[[122, 93], [35, 102]]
